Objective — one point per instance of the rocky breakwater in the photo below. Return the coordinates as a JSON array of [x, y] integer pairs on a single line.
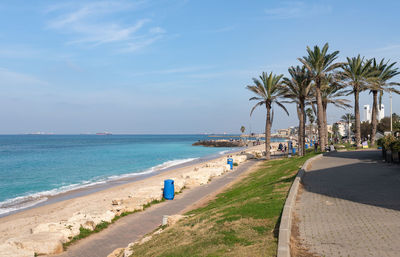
[[48, 238], [220, 143]]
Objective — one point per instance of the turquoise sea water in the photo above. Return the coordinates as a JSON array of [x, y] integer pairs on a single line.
[[33, 166]]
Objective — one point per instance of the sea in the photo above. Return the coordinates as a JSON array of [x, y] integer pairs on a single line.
[[36, 167]]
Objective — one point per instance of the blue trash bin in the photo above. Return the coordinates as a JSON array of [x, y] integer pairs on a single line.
[[293, 151], [169, 190], [230, 162]]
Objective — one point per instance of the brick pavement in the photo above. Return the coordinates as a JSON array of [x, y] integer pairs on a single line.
[[350, 206]]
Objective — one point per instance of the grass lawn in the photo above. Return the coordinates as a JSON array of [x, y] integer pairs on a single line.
[[243, 221], [351, 147]]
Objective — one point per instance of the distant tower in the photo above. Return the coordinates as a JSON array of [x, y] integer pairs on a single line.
[[367, 113], [381, 112]]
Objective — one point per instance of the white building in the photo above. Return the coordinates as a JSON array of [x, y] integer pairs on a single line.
[[368, 112], [381, 112], [343, 128]]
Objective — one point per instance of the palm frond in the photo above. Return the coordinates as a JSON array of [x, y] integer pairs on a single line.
[[255, 106], [283, 107]]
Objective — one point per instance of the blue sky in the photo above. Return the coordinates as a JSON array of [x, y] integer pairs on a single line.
[[176, 66]]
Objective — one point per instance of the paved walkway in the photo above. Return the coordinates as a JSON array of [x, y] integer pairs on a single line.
[[131, 228], [350, 206]]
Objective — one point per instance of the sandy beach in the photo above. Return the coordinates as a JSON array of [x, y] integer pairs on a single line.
[[42, 230]]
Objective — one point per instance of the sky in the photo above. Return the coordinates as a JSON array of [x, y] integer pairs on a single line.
[[170, 66]]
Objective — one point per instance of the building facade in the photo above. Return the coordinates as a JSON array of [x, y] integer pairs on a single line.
[[343, 128], [381, 112], [367, 113]]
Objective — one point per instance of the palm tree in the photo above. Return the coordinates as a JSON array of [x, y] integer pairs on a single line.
[[298, 88], [311, 118], [320, 63], [242, 129], [378, 83], [355, 73], [330, 94], [335, 130], [349, 119], [268, 89]]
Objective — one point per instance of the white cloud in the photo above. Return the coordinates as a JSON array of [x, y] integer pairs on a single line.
[[10, 78], [18, 51], [210, 72], [183, 70], [139, 44], [390, 51], [297, 9], [176, 70], [157, 30], [96, 24], [221, 29], [389, 48]]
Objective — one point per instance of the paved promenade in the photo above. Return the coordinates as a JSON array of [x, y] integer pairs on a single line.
[[350, 206], [132, 227]]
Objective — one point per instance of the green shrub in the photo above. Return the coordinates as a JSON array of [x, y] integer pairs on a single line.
[[387, 141], [395, 146]]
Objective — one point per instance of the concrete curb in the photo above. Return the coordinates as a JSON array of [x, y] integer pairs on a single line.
[[286, 220]]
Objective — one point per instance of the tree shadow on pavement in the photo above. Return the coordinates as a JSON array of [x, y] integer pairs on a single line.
[[368, 181], [365, 155]]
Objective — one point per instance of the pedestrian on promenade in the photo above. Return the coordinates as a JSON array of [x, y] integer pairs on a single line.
[[316, 147]]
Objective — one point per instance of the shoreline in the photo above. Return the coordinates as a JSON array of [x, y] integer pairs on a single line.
[[83, 190], [55, 195], [47, 227]]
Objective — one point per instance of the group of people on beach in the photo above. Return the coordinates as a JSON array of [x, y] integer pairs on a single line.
[[282, 148], [330, 148]]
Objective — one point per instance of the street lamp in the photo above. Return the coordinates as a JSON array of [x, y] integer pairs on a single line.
[[391, 118]]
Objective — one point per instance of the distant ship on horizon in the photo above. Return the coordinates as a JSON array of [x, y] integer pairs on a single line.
[[104, 133], [40, 133]]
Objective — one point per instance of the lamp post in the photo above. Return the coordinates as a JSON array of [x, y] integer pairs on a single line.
[[391, 118], [348, 128]]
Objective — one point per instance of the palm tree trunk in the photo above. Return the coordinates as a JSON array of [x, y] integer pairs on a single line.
[[320, 118], [268, 133], [324, 106], [374, 121], [357, 116], [299, 131], [302, 129]]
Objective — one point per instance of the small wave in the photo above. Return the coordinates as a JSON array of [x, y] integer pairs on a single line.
[[20, 203], [162, 166], [23, 202], [224, 152], [169, 164]]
